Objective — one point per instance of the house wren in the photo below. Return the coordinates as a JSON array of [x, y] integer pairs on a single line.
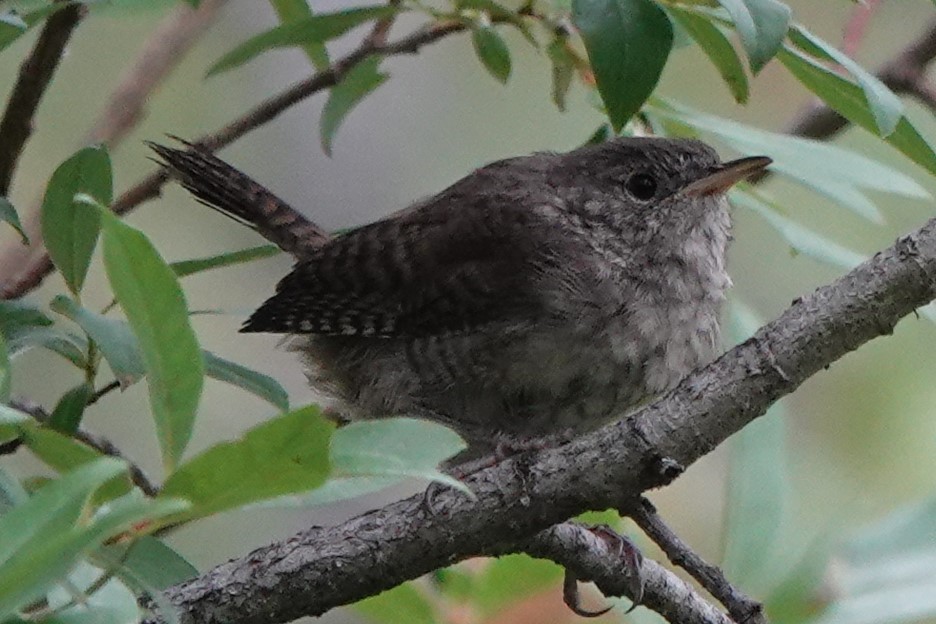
[[538, 295]]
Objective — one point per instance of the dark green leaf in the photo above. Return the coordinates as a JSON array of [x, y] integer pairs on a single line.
[[292, 11], [66, 417], [628, 42], [762, 26], [188, 267], [492, 51], [250, 380], [848, 99], [885, 106], [69, 227], [717, 47], [8, 214], [114, 338], [758, 486], [286, 455], [150, 296], [5, 371], [310, 30], [345, 95], [151, 561], [563, 70]]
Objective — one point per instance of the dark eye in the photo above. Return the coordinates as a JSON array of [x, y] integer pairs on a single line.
[[642, 186]]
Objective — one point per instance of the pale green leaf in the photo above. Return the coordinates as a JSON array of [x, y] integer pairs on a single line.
[[285, 455], [189, 267], [315, 29], [247, 379], [70, 346], [362, 80], [762, 26], [150, 296], [70, 227]]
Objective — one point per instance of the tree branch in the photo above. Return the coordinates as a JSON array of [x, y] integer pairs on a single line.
[[34, 76], [321, 568]]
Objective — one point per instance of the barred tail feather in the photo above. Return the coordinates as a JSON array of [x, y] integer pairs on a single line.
[[225, 189]]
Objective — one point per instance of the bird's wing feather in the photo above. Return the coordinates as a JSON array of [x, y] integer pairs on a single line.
[[419, 274]]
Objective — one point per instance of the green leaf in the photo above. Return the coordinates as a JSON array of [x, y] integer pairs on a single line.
[[762, 26], [188, 267], [885, 106], [509, 579], [149, 560], [628, 42], [5, 371], [11, 492], [66, 417], [401, 605], [292, 11], [563, 70], [385, 448], [344, 96], [111, 603], [114, 339], [828, 169], [801, 239], [17, 315], [17, 24], [285, 455], [247, 379], [887, 573], [70, 228], [150, 296], [758, 493], [315, 29], [850, 101], [717, 47], [70, 346], [8, 214], [492, 51]]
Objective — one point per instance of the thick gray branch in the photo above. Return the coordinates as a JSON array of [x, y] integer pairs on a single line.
[[322, 568]]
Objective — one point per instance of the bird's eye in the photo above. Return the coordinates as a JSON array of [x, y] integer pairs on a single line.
[[642, 186]]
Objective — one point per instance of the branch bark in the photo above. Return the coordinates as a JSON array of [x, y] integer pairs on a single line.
[[321, 568]]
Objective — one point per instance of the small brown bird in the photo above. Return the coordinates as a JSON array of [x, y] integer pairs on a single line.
[[538, 296]]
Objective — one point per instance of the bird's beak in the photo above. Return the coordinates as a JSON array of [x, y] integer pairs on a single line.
[[725, 176]]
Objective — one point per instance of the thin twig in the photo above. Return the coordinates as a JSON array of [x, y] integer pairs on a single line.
[[34, 76], [102, 445], [743, 609], [32, 275], [158, 56]]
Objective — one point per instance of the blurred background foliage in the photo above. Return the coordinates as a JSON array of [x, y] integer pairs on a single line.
[[860, 438]]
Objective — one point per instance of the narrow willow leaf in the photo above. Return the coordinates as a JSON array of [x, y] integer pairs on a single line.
[[885, 106], [285, 455], [762, 26], [113, 337], [384, 448], [850, 101], [628, 42], [11, 492], [250, 380], [801, 239], [150, 296], [8, 214], [150, 560], [758, 494], [19, 314], [70, 346], [66, 417], [310, 30], [563, 70], [344, 96], [717, 47], [69, 227], [293, 11], [188, 267], [492, 51]]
